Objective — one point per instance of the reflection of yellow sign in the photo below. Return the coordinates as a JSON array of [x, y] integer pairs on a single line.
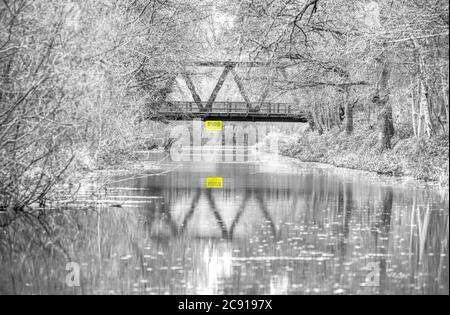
[[214, 183], [214, 125]]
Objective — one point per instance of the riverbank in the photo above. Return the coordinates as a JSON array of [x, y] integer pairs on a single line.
[[102, 176], [422, 159]]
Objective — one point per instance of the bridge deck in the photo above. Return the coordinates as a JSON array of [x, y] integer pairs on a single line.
[[233, 111]]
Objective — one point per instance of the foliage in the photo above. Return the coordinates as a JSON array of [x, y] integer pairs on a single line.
[[383, 58], [70, 84], [426, 159], [78, 77]]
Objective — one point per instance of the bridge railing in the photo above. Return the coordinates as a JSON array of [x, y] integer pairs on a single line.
[[230, 108]]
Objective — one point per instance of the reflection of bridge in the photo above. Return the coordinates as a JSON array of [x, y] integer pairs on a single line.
[[227, 232], [261, 110]]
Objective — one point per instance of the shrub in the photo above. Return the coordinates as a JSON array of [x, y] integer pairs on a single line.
[[424, 159]]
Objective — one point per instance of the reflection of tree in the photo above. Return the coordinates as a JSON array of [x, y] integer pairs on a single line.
[[32, 245], [443, 253], [160, 213], [345, 204], [344, 209], [384, 230], [428, 246], [348, 206]]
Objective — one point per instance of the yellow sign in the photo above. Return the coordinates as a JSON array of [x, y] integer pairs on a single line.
[[214, 183], [214, 125]]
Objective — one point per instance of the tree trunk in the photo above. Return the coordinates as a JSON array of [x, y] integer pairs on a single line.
[[386, 128], [414, 114], [445, 102], [427, 107], [348, 113], [424, 97], [317, 121], [420, 108], [382, 101]]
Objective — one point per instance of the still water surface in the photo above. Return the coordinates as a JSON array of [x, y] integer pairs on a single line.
[[276, 227]]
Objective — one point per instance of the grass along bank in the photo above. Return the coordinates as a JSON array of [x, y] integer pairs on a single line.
[[423, 159]]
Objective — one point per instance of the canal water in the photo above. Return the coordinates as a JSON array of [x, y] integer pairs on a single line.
[[268, 227]]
